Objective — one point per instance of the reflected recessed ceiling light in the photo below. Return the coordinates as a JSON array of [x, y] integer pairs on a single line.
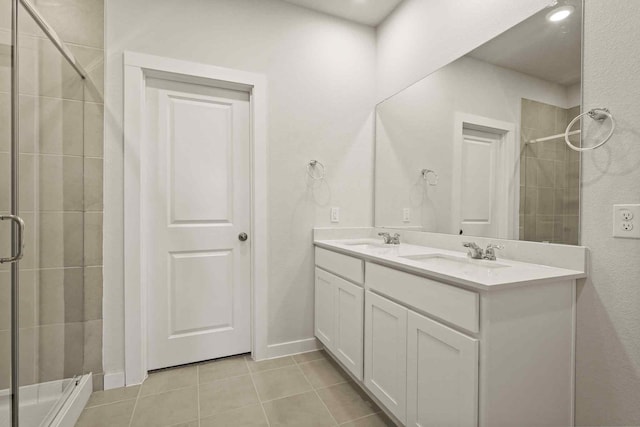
[[560, 13]]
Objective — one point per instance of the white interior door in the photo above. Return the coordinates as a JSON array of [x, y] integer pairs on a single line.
[[195, 182], [481, 197]]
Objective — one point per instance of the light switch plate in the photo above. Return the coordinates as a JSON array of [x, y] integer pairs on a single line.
[[626, 221]]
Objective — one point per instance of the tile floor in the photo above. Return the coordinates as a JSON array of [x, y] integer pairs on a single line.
[[303, 390]]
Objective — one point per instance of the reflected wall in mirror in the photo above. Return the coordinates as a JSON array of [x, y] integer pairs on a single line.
[[477, 148]]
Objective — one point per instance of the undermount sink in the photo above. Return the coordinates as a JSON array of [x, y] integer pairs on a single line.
[[371, 245], [469, 265]]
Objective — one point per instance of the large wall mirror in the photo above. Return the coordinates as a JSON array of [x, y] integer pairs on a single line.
[[478, 148]]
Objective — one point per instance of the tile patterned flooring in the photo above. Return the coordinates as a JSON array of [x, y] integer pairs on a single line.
[[307, 389]]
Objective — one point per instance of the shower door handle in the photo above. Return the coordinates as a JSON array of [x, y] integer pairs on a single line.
[[20, 223]]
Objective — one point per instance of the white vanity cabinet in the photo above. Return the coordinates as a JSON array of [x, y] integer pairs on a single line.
[[445, 354], [385, 355], [339, 306], [442, 375]]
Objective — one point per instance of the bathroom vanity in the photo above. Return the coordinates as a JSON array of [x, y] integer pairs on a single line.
[[440, 339]]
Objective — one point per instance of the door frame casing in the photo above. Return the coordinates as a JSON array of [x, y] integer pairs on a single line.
[[137, 67], [508, 161]]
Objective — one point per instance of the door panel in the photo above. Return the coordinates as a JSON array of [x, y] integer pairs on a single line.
[[478, 183], [385, 363], [349, 325], [442, 375], [196, 201], [325, 308]]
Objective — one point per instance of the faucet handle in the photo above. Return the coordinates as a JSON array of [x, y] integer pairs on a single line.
[[475, 251], [386, 237], [395, 239], [490, 252]]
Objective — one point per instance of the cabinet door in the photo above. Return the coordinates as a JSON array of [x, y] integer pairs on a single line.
[[325, 308], [385, 353], [349, 321], [442, 375]]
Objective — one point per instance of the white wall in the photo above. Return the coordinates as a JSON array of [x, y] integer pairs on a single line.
[[320, 72], [415, 130], [608, 337], [421, 36]]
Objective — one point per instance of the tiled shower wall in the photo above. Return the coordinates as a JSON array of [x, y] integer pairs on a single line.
[[549, 178], [61, 285]]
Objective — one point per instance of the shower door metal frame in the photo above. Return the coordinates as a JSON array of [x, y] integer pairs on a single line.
[[17, 225]]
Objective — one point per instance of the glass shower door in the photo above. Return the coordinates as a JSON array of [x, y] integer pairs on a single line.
[[50, 199]]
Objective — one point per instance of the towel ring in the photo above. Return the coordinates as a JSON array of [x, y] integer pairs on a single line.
[[313, 164], [426, 173], [598, 114]]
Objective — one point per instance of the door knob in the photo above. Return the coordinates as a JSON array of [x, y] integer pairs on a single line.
[[242, 237]]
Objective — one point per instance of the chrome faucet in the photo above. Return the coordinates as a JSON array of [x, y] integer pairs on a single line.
[[389, 239], [475, 251], [490, 252]]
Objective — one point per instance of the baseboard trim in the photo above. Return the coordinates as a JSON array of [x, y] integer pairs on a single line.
[[292, 347], [113, 380]]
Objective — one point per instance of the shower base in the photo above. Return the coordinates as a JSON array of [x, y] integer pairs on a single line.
[[41, 406]]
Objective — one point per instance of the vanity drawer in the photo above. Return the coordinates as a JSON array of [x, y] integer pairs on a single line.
[[455, 305], [343, 265]]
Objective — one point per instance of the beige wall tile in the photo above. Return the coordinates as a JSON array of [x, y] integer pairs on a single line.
[[60, 185], [93, 129], [61, 295], [61, 351], [5, 117], [76, 21], [60, 238], [93, 184], [92, 293], [93, 238], [93, 346], [60, 126]]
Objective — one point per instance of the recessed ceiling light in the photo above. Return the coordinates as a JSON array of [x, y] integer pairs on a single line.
[[560, 13]]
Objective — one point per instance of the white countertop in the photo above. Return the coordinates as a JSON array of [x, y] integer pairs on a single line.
[[478, 274]]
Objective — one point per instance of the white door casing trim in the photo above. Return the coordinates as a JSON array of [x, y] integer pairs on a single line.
[[509, 162], [137, 67]]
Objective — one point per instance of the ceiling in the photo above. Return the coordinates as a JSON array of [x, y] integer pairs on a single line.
[[368, 12], [547, 50]]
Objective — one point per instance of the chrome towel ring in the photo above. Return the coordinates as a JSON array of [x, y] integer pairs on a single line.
[[598, 114], [312, 165], [431, 177]]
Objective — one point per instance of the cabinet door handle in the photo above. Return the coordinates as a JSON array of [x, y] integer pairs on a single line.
[[20, 223]]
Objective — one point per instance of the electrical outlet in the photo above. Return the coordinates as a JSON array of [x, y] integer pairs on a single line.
[[406, 215], [335, 214], [624, 217]]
